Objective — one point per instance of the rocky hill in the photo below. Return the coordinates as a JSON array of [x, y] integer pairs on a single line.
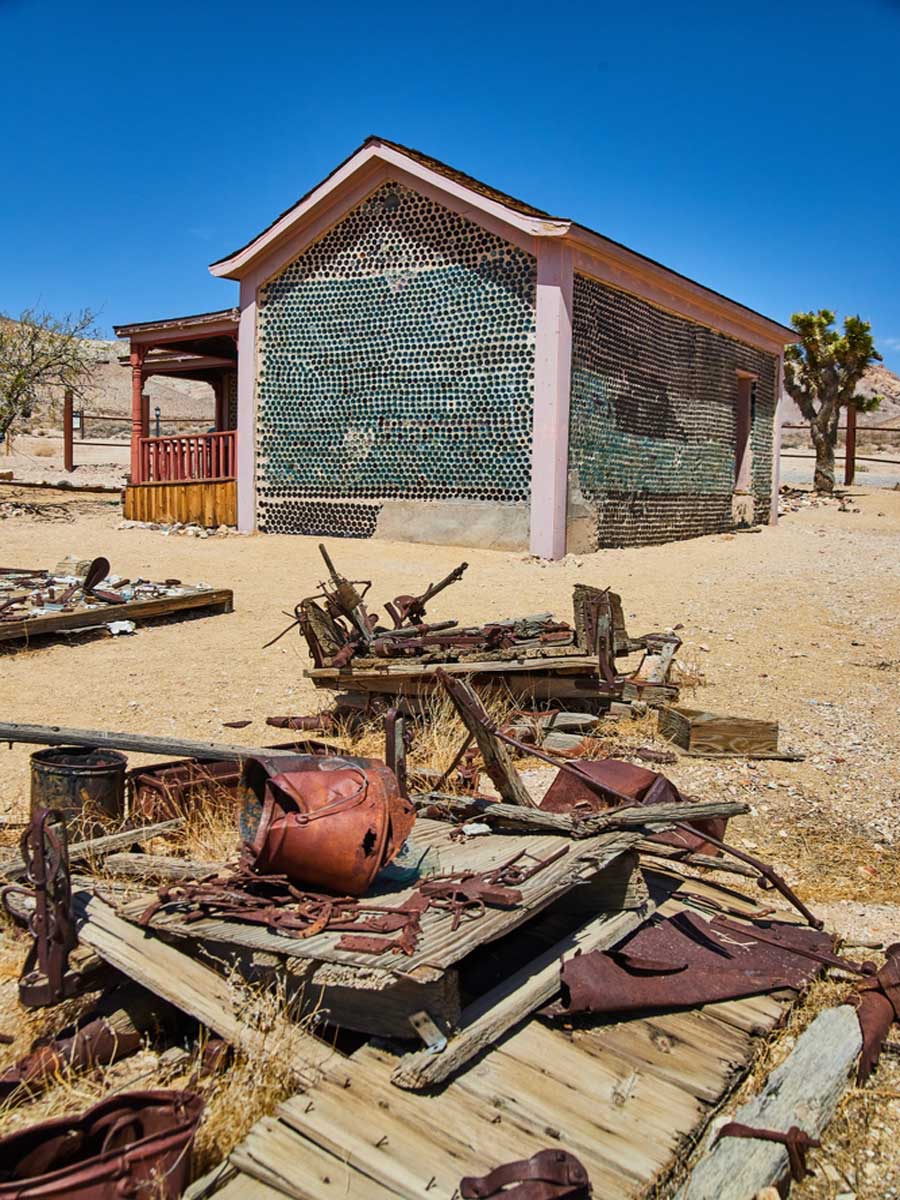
[[878, 381], [110, 394]]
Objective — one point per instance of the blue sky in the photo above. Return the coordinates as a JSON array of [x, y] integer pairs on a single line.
[[757, 150]]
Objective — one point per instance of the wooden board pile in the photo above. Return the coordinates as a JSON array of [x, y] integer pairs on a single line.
[[76, 595]]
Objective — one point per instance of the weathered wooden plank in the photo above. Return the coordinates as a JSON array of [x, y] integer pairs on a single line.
[[439, 946], [510, 1002], [185, 983], [158, 866], [95, 848], [514, 816], [804, 1091], [498, 761], [278, 1156], [131, 610], [140, 743]]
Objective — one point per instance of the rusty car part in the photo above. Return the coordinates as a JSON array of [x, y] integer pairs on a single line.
[[547, 1175], [397, 741], [466, 894], [796, 1141], [344, 597], [46, 978], [322, 821], [877, 1002], [170, 789], [317, 723], [411, 609], [114, 1029], [273, 901], [72, 779], [133, 1144], [682, 961]]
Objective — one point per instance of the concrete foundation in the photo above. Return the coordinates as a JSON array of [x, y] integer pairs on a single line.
[[485, 524]]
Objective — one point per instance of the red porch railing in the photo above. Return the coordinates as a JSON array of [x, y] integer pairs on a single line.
[[188, 457]]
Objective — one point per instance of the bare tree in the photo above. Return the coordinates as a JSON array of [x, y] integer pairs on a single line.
[[821, 373], [39, 352]]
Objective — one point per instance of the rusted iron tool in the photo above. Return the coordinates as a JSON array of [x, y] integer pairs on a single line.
[[346, 599], [411, 609]]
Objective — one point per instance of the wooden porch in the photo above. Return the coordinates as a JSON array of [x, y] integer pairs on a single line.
[[192, 477]]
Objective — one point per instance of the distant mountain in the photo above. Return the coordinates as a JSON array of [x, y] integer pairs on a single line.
[[877, 381]]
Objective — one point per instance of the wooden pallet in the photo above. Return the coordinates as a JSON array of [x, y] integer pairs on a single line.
[[379, 994], [215, 600], [627, 1097]]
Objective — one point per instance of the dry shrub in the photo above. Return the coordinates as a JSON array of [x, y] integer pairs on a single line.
[[43, 451]]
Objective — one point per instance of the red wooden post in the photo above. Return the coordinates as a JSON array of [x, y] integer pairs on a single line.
[[850, 448], [137, 410], [68, 432]]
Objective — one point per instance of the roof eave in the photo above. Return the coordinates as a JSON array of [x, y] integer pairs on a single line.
[[688, 297]]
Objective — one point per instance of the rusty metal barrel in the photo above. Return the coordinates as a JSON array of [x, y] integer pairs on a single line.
[[78, 779]]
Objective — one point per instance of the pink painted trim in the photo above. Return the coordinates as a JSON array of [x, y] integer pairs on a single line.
[[620, 268], [776, 439], [246, 413], [334, 190], [552, 381]]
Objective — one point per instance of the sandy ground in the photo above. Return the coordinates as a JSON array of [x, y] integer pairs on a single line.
[[797, 623]]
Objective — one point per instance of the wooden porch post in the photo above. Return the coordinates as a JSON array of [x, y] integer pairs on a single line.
[[68, 421], [137, 410], [850, 447]]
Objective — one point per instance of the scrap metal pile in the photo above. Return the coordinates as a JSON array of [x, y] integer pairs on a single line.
[[351, 644], [319, 836], [75, 585]]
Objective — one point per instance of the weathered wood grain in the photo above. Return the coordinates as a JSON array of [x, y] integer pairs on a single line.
[[140, 743], [803, 1091], [510, 1002], [703, 732]]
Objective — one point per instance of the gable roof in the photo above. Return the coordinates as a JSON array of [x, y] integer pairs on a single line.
[[496, 205]]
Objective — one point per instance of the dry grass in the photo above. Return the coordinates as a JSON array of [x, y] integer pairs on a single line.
[[249, 1087]]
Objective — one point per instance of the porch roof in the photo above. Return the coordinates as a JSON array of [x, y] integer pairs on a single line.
[[211, 337]]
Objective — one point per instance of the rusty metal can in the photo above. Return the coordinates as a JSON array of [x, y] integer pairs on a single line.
[[324, 822], [70, 779]]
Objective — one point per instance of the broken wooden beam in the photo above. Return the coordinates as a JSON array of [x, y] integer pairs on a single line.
[[803, 1091], [510, 1002], [140, 743], [513, 816], [498, 764], [98, 847], [159, 866]]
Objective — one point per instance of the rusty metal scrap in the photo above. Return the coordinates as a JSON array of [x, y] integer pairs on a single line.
[[324, 822], [682, 961], [547, 1175], [113, 1031], [46, 978], [796, 1141], [877, 1001], [133, 1144]]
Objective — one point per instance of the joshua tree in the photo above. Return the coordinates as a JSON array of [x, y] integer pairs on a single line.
[[820, 375], [39, 352]]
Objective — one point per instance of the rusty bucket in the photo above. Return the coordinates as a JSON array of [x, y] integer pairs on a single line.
[[72, 778], [133, 1144], [329, 823]]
